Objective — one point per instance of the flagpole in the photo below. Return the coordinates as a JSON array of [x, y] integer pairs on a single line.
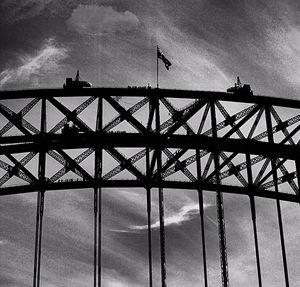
[[157, 67]]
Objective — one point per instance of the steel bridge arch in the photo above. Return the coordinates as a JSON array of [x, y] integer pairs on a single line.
[[212, 145]]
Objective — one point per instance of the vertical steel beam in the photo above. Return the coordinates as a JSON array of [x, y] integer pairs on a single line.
[[298, 176], [275, 179], [253, 215], [220, 207], [40, 201], [201, 213], [160, 197], [95, 233], [37, 225], [40, 238], [148, 190], [98, 200]]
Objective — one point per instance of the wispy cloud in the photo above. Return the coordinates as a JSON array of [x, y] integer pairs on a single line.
[[186, 213], [46, 60], [102, 20]]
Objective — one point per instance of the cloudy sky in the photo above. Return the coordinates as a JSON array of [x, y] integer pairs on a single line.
[[113, 44]]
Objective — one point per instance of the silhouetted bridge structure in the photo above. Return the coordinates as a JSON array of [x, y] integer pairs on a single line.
[[177, 139]]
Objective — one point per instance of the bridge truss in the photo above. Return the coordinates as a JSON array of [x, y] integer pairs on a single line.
[[150, 138]]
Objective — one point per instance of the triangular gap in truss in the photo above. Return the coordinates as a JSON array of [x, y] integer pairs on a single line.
[[180, 104], [89, 115], [34, 116], [33, 165], [285, 187], [195, 121], [257, 170], [3, 122], [5, 161], [231, 180], [286, 113], [124, 127], [73, 153], [109, 113], [78, 153], [2, 172], [53, 117], [289, 165], [124, 175], [127, 102], [279, 137], [141, 163], [193, 169], [88, 164], [108, 162], [71, 103], [164, 113], [15, 181], [14, 131], [261, 127], [180, 131], [16, 105], [70, 176], [164, 156], [19, 156], [52, 166]]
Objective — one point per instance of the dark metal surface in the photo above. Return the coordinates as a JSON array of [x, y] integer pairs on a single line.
[[229, 143]]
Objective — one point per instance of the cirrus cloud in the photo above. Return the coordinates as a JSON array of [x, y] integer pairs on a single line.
[[185, 213], [44, 61], [102, 20]]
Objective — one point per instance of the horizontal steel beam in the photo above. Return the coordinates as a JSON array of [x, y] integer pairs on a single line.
[[125, 92], [67, 185], [36, 143]]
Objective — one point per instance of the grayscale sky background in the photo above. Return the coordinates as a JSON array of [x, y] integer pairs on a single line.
[[113, 44]]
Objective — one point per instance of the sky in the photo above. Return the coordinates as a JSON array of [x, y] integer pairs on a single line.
[[113, 44]]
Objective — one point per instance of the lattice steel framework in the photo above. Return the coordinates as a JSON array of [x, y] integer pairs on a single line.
[[180, 139]]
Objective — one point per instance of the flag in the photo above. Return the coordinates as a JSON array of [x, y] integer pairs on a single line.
[[161, 56]]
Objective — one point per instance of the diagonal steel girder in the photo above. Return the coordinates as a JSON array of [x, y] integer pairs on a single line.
[[71, 116], [20, 115], [76, 112], [125, 114]]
